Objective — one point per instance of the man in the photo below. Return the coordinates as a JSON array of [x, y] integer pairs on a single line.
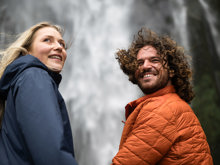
[[160, 127]]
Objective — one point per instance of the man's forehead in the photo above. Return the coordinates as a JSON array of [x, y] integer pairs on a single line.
[[147, 51]]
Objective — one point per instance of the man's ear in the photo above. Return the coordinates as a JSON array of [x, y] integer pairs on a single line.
[[171, 73]]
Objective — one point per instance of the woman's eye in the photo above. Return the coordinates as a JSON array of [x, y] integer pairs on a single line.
[[46, 40], [63, 44]]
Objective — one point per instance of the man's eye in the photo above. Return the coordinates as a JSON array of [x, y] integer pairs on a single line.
[[140, 63], [155, 60]]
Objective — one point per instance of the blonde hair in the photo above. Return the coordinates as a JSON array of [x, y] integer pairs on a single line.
[[20, 47]]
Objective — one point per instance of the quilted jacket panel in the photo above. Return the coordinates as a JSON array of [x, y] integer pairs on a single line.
[[162, 129]]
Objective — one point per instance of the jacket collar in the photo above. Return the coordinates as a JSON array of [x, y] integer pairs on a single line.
[[132, 105], [56, 76], [14, 69]]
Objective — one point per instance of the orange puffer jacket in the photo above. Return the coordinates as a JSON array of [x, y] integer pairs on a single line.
[[162, 129]]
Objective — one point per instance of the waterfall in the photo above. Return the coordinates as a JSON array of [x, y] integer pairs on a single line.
[[180, 21], [212, 22], [99, 90], [94, 88]]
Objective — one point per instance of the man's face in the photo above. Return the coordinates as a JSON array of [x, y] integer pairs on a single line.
[[151, 75]]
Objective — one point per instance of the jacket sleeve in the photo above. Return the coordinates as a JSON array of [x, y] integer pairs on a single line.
[[39, 117], [150, 137]]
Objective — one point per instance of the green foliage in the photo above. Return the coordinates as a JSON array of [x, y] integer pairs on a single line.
[[207, 109]]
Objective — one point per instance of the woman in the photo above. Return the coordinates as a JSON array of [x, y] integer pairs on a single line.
[[35, 128]]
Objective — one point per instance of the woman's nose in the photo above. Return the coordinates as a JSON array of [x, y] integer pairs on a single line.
[[58, 46]]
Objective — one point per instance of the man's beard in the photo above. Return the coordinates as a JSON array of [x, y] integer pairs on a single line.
[[157, 85]]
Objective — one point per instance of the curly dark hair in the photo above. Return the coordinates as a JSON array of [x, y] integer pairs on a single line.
[[170, 52]]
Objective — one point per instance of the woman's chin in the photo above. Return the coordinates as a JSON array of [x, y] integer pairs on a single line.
[[55, 69]]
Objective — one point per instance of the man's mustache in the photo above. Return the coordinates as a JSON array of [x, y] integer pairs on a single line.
[[148, 71]]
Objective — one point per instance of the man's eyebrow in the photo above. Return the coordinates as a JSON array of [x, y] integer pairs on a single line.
[[140, 59]]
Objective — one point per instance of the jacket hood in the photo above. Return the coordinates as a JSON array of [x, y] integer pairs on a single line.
[[14, 69]]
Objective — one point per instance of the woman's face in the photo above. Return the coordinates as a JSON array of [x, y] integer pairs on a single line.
[[49, 47]]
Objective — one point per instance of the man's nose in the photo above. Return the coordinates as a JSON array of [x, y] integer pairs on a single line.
[[147, 64]]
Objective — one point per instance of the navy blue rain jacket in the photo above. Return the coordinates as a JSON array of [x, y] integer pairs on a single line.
[[35, 128]]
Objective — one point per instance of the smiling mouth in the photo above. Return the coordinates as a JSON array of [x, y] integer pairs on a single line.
[[147, 75], [56, 57]]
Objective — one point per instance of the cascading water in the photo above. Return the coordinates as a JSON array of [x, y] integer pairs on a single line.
[[180, 21], [97, 97], [93, 86], [212, 21]]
